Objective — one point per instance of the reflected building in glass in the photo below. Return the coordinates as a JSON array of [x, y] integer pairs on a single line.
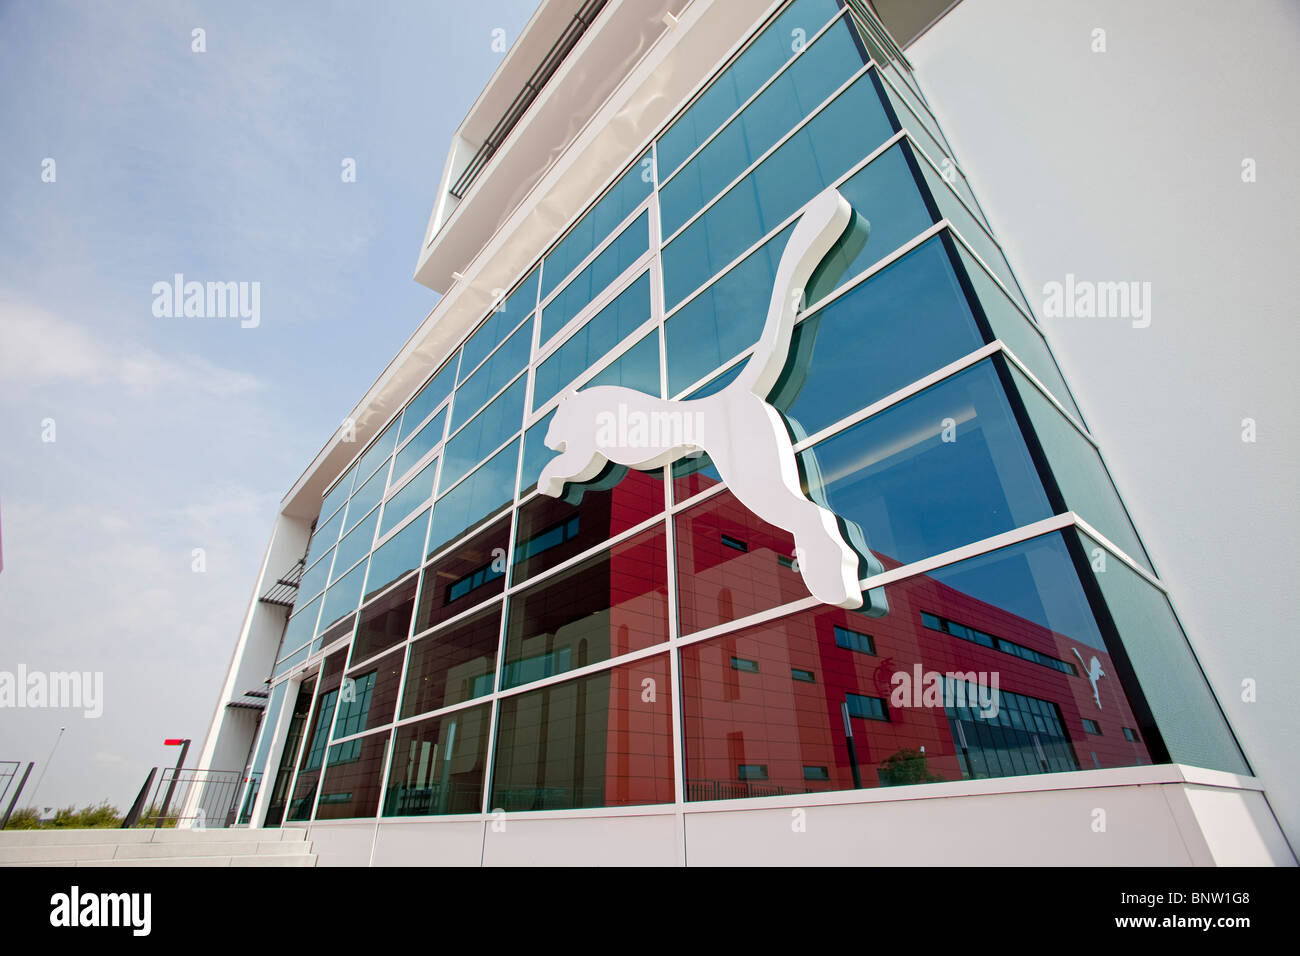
[[438, 651]]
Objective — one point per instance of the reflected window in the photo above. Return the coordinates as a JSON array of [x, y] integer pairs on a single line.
[[438, 765], [608, 605], [598, 741], [452, 665]]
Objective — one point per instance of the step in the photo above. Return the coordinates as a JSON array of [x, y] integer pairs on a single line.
[[10, 838], [161, 851], [284, 859]]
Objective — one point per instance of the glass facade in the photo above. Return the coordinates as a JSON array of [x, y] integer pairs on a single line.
[[645, 638]]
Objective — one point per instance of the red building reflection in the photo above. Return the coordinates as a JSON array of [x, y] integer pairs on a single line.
[[763, 705]]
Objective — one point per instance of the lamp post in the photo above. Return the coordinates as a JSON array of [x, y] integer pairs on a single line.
[[184, 744], [853, 751]]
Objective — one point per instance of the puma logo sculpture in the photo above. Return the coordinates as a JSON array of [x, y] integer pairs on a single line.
[[744, 436]]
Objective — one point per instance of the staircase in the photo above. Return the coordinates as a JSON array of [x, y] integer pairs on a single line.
[[154, 847]]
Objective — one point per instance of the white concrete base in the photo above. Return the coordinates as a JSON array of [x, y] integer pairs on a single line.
[[155, 847], [1139, 816]]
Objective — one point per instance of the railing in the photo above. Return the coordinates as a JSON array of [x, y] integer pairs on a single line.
[[729, 790], [285, 589], [165, 795], [8, 771], [545, 70]]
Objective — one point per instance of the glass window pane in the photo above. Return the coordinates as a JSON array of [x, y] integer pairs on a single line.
[[614, 207], [903, 323], [970, 229], [627, 313], [637, 368], [536, 454], [366, 497], [1189, 718], [301, 628], [1083, 480], [941, 469], [419, 446], [378, 453], [929, 706], [847, 130], [1009, 324], [737, 83], [429, 397], [325, 536], [612, 262], [383, 624], [464, 576], [396, 556], [368, 696], [517, 305], [438, 765], [484, 433], [413, 494], [718, 582], [610, 604], [595, 741], [453, 665], [355, 545], [476, 499], [501, 367], [314, 579], [724, 319], [342, 597], [337, 495], [553, 530], [353, 773], [809, 80]]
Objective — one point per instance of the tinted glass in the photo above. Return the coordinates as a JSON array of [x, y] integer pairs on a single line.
[[429, 397], [925, 705], [484, 433], [839, 136], [419, 446], [737, 83], [384, 623], [608, 605], [1079, 472], [438, 765], [411, 495], [598, 741], [494, 373], [614, 207], [908, 320], [809, 80], [455, 664], [353, 773], [627, 313], [464, 576], [396, 556], [475, 499], [612, 262], [944, 468], [500, 321]]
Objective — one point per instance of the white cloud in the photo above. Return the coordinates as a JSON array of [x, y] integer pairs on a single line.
[[38, 347]]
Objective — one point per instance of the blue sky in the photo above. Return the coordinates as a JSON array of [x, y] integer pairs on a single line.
[[172, 434]]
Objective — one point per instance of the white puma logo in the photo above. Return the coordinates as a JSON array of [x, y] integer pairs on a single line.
[[1094, 673], [744, 436]]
